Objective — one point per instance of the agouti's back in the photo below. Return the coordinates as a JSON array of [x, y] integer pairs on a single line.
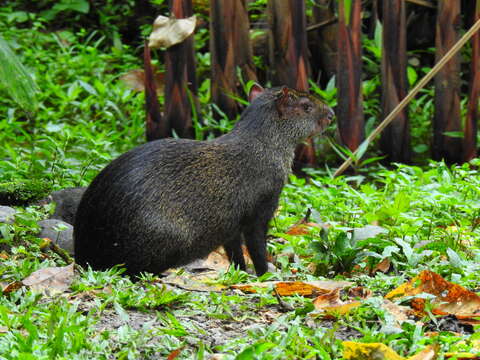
[[171, 201]]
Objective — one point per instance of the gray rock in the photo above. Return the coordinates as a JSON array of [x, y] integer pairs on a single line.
[[7, 214], [63, 238], [67, 201]]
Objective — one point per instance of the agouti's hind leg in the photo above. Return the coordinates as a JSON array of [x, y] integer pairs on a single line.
[[234, 251]]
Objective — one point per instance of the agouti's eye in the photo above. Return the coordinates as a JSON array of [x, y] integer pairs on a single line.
[[307, 107]]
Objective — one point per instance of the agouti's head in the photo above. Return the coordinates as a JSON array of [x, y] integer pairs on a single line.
[[289, 113]]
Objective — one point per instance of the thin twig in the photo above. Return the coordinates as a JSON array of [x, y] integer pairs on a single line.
[[455, 48], [322, 24], [423, 3]]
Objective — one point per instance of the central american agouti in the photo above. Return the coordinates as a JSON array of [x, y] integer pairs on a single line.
[[171, 201]]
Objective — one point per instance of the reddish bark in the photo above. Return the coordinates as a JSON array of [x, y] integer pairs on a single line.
[[229, 47], [323, 42], [288, 58], [395, 140], [447, 85], [473, 112], [156, 127], [350, 111], [180, 74]]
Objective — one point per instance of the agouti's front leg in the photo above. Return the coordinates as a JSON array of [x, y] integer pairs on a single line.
[[233, 248], [255, 233]]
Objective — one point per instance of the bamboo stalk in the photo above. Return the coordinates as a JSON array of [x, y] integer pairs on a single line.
[[455, 48]]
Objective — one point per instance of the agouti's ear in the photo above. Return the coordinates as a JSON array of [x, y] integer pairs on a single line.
[[281, 99], [255, 91]]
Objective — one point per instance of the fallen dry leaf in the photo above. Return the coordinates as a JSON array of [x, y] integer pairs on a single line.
[[170, 31], [217, 260], [302, 228], [450, 298], [330, 304], [204, 281], [377, 351], [360, 351], [50, 280], [13, 286], [359, 292], [287, 288], [383, 266], [174, 354], [400, 313]]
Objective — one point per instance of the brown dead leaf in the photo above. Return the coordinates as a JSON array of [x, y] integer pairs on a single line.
[[331, 304], [302, 228], [50, 280], [287, 288], [13, 286], [135, 79], [170, 31], [450, 298], [3, 255], [174, 354], [216, 260], [383, 266], [359, 292]]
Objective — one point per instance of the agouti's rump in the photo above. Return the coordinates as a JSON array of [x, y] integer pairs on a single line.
[[171, 201]]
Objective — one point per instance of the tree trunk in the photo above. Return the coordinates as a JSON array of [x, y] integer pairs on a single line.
[[473, 113], [447, 85], [229, 47], [156, 127], [395, 141], [288, 58], [350, 111], [323, 42], [180, 75]]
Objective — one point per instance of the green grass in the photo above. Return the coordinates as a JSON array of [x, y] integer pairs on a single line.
[[86, 117]]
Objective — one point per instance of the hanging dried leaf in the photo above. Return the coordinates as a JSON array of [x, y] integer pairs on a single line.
[[135, 79], [170, 31]]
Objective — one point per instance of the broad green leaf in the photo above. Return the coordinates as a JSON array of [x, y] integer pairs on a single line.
[[15, 79], [412, 75]]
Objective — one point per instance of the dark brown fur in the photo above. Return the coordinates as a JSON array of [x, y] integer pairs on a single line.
[[171, 201]]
